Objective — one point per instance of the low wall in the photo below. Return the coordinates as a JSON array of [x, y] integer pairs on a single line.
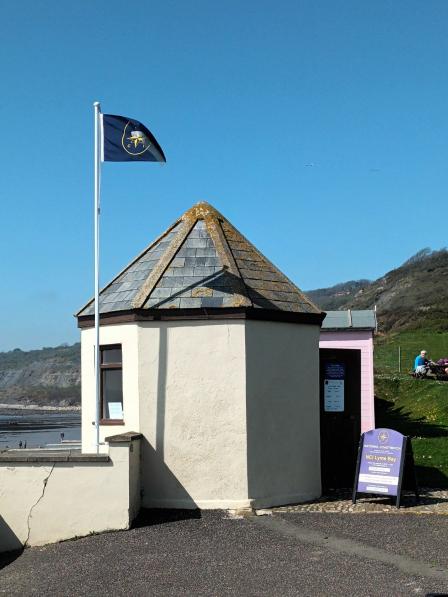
[[49, 497]]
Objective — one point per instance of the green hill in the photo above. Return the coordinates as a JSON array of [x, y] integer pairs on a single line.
[[338, 296], [418, 408], [406, 345], [412, 296]]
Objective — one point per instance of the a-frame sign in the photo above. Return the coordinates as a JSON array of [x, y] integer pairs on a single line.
[[385, 461]]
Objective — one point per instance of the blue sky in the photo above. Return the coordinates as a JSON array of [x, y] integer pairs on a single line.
[[242, 96]]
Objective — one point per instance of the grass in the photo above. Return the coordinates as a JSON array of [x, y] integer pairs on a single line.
[[410, 342], [417, 408]]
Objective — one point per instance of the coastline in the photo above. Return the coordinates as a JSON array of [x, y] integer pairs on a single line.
[[40, 408]]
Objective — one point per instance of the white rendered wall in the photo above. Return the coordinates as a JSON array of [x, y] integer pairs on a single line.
[[127, 336], [283, 416], [193, 414], [45, 502], [228, 409]]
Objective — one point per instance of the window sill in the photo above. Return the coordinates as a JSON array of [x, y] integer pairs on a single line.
[[111, 422]]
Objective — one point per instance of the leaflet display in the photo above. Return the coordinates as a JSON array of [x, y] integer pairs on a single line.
[[334, 386]]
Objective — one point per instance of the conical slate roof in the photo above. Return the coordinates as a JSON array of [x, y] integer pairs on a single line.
[[201, 262]]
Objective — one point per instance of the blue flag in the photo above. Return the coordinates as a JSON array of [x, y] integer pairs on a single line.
[[128, 140]]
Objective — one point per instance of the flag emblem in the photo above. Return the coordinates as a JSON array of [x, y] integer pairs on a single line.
[[134, 141], [128, 140]]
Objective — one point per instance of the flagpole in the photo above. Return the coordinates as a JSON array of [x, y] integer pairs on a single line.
[[97, 166]]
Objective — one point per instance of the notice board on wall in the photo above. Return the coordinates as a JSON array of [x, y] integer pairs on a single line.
[[334, 386]]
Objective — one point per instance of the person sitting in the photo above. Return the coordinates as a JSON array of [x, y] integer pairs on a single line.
[[421, 364], [443, 364]]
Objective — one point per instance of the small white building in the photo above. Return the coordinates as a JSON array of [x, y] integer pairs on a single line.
[[212, 354]]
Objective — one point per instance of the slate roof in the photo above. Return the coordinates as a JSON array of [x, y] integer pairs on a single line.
[[342, 320], [201, 261]]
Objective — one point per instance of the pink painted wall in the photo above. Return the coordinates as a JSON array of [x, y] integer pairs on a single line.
[[363, 341]]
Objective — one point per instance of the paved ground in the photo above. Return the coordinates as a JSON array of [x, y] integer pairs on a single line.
[[431, 501], [212, 554]]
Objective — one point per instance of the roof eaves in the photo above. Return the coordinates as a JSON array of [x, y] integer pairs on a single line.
[[352, 329]]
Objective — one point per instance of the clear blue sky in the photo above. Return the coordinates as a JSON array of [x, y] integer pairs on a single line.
[[241, 95]]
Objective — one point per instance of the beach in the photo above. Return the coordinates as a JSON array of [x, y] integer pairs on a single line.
[[37, 426]]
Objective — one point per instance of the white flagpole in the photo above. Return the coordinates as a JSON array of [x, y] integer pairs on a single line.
[[97, 111]]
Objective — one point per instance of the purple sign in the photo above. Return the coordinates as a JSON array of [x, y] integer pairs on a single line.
[[380, 462], [334, 370]]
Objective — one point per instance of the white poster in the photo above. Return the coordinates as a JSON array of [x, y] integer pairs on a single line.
[[115, 410], [334, 395]]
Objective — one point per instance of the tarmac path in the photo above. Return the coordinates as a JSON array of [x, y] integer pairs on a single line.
[[209, 553]]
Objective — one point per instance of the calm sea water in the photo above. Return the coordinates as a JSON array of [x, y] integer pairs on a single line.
[[37, 428]]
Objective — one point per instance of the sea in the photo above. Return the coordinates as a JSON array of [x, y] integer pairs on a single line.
[[37, 429]]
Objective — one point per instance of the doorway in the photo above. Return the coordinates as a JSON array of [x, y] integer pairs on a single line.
[[340, 415]]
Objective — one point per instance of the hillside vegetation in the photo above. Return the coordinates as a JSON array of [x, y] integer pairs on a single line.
[[412, 296], [338, 296], [50, 376]]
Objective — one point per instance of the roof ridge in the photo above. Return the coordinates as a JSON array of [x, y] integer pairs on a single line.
[[217, 234], [163, 263]]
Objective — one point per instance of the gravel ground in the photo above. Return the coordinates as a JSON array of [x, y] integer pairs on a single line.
[[188, 553]]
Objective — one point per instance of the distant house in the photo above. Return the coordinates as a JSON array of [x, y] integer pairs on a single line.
[[212, 354]]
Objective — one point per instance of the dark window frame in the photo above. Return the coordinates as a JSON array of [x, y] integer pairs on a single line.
[[104, 366]]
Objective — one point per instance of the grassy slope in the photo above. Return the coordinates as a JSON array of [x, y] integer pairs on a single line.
[[411, 343], [418, 408]]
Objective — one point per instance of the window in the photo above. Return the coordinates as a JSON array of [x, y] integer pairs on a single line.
[[111, 384]]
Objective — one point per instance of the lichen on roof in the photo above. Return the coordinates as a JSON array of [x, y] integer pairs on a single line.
[[201, 261]]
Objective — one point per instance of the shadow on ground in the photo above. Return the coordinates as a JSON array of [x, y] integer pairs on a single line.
[[428, 476], [154, 516], [9, 557], [387, 415]]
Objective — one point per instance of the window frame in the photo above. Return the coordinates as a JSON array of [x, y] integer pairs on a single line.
[[110, 366]]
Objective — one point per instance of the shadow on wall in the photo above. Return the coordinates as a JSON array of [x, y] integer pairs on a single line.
[[282, 414], [161, 391], [11, 542], [159, 483]]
